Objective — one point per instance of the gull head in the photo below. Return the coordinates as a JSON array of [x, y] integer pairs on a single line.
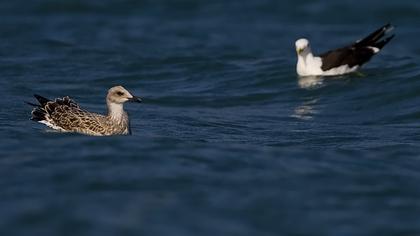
[[119, 95], [302, 45]]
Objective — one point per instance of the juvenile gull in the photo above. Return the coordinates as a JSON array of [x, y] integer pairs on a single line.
[[64, 114], [342, 60]]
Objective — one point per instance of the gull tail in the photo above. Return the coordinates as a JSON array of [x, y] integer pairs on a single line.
[[39, 113], [376, 39]]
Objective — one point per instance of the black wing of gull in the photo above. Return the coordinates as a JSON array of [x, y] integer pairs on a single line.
[[359, 52]]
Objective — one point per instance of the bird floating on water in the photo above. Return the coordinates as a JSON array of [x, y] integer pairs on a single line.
[[64, 114], [342, 60]]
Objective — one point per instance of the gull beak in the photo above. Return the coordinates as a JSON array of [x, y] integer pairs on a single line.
[[299, 50], [135, 99]]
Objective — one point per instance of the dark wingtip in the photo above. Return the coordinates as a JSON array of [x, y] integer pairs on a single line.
[[39, 96], [375, 37], [31, 104], [385, 41], [42, 100], [389, 27]]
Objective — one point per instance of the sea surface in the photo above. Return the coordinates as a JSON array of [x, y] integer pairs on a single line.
[[228, 140]]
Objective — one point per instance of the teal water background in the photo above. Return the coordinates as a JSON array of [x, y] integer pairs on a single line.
[[228, 141]]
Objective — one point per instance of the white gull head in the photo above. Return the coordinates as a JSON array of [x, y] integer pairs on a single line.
[[302, 46]]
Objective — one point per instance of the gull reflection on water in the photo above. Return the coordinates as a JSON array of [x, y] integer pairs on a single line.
[[307, 109], [310, 82]]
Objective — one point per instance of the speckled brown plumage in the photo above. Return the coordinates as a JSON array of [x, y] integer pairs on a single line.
[[65, 115]]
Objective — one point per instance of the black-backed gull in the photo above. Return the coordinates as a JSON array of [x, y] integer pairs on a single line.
[[342, 60]]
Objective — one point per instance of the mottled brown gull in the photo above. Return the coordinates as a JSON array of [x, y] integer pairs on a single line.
[[64, 114]]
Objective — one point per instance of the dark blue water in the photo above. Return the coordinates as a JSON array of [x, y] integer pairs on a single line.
[[228, 141]]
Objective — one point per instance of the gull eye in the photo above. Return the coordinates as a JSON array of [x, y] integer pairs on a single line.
[[119, 93]]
